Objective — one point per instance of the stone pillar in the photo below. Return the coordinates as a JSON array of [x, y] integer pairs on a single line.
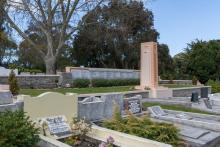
[[149, 72], [149, 65]]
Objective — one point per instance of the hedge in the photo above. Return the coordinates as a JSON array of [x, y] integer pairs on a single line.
[[80, 83], [215, 86]]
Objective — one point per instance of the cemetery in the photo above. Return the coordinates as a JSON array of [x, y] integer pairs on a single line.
[[92, 119], [99, 73]]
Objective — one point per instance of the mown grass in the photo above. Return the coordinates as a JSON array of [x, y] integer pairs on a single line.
[[176, 108], [35, 92]]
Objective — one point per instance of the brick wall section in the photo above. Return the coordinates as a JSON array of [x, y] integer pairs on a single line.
[[34, 81]]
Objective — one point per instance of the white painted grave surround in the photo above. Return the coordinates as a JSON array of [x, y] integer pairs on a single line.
[[6, 72]]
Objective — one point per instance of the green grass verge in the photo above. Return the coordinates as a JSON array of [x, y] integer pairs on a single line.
[[36, 92], [176, 85], [177, 108]]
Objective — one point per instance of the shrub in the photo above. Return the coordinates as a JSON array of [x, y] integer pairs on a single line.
[[13, 84], [17, 130], [215, 86], [114, 82], [194, 80], [81, 83], [144, 127]]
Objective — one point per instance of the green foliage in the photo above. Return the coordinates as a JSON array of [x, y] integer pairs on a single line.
[[13, 84], [17, 130], [81, 83], [144, 127], [113, 37], [114, 82], [215, 86], [80, 128], [203, 60], [194, 80]]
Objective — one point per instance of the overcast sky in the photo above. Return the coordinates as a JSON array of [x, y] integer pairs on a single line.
[[181, 21]]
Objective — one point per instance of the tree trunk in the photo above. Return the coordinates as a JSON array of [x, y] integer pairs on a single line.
[[50, 65]]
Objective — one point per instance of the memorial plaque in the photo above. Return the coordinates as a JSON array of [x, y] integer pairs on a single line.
[[133, 105], [58, 126]]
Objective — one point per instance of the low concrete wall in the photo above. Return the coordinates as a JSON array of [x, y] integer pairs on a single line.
[[34, 81], [187, 92], [48, 142], [122, 139]]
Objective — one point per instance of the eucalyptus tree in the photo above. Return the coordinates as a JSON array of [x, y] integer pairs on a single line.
[[56, 20]]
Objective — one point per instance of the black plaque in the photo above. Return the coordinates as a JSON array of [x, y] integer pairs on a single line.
[[133, 105]]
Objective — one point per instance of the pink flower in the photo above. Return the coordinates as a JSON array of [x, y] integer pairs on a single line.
[[110, 140], [102, 145]]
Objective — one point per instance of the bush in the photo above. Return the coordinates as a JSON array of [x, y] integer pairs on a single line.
[[13, 84], [17, 130], [215, 86], [114, 82], [194, 80], [144, 127], [81, 83]]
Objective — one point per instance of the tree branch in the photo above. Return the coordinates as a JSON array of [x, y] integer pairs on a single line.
[[22, 34]]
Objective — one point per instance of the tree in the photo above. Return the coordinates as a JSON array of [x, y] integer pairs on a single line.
[[47, 16], [114, 35], [7, 45], [204, 59], [13, 83], [165, 62]]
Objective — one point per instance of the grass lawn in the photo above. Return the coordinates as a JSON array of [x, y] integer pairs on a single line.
[[35, 92], [177, 108], [176, 85]]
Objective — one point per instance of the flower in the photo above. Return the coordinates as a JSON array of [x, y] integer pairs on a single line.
[[110, 140], [102, 145]]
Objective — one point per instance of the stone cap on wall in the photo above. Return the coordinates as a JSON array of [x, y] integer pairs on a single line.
[[69, 69]]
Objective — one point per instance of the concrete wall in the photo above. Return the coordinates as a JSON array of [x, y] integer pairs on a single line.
[[102, 73], [50, 104], [122, 139], [34, 81], [49, 142], [187, 92]]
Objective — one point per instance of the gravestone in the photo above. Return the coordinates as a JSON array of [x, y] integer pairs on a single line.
[[133, 104], [91, 108], [57, 126], [5, 97], [157, 111], [204, 92]]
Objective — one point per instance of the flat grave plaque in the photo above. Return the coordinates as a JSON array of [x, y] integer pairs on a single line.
[[57, 125], [133, 105]]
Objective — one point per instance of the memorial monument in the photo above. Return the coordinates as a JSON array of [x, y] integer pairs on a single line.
[[149, 72]]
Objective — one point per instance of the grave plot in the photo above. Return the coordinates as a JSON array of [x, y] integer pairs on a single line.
[[6, 100], [199, 129]]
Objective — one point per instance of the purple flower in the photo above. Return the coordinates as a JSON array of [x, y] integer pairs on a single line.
[[110, 140], [102, 145]]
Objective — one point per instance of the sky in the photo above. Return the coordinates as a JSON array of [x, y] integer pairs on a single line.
[[182, 21]]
